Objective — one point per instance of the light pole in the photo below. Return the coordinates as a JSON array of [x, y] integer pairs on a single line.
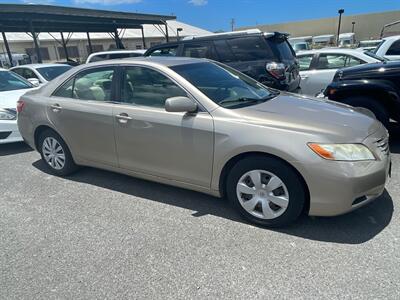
[[177, 33], [340, 11], [352, 27]]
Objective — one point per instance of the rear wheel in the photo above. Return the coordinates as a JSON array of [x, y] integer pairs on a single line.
[[376, 107], [266, 191], [55, 154]]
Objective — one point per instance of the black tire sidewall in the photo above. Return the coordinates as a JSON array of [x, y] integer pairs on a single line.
[[294, 184], [69, 166]]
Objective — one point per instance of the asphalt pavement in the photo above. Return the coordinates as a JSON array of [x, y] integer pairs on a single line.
[[99, 234]]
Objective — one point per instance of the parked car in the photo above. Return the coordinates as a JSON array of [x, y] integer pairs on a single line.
[[266, 57], [17, 59], [204, 126], [368, 45], [318, 67], [372, 86], [389, 48], [12, 87], [40, 73], [113, 54]]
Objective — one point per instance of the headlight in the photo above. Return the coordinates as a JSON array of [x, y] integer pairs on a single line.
[[7, 115], [344, 152]]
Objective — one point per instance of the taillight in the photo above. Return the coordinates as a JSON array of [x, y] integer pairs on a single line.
[[277, 70], [20, 106]]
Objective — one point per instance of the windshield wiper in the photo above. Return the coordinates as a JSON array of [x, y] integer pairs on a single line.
[[249, 100]]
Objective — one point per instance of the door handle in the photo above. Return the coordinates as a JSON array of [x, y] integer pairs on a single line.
[[123, 118], [55, 107]]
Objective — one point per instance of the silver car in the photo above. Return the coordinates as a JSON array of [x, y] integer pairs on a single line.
[[203, 126]]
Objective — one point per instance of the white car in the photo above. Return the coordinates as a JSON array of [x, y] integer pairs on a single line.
[[106, 55], [318, 67], [12, 87], [368, 45], [41, 73], [389, 48]]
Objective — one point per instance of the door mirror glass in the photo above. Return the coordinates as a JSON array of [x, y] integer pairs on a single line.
[[34, 81], [180, 104]]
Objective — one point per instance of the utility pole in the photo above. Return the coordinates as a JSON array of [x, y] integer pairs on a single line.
[[340, 12], [352, 28], [232, 24]]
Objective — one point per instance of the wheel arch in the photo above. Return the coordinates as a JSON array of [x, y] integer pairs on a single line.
[[233, 160]]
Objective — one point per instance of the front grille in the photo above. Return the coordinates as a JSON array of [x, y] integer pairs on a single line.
[[383, 145], [4, 135]]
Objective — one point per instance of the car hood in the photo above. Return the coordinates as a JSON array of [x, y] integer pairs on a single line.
[[335, 121], [8, 99]]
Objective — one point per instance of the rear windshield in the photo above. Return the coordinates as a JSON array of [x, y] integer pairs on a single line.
[[283, 47], [250, 48]]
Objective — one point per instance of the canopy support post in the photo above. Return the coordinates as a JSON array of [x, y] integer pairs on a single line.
[[90, 43], [143, 39], [36, 42], [64, 44], [7, 49]]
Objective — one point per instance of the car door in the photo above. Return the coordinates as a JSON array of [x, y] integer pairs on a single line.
[[306, 63], [324, 70], [81, 112], [150, 140]]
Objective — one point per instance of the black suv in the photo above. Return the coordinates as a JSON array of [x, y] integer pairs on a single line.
[[266, 57], [373, 86]]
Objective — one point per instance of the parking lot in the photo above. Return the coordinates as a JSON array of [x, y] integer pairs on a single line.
[[98, 234]]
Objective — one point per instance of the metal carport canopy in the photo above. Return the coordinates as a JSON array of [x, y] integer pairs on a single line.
[[36, 18]]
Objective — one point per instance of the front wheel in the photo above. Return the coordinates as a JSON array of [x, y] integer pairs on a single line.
[[266, 191], [55, 154]]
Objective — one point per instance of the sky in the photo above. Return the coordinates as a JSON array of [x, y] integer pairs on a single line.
[[217, 14]]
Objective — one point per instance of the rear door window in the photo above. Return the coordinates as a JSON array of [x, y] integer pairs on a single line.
[[166, 51], [250, 48], [282, 45], [198, 50], [331, 61], [305, 62]]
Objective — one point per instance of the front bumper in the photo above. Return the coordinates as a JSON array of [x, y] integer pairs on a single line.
[[340, 187], [9, 132]]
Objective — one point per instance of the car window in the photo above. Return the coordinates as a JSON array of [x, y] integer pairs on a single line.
[[224, 51], [250, 48], [147, 87], [394, 49], [28, 73], [305, 62], [99, 57], [197, 50], [19, 71], [10, 81], [49, 73], [166, 51], [352, 61], [331, 61], [95, 84], [123, 55], [283, 47]]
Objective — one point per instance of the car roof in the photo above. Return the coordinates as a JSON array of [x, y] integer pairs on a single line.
[[393, 37], [329, 50], [118, 52], [36, 66], [159, 60]]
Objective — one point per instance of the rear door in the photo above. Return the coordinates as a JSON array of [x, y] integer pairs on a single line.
[[306, 63], [81, 111]]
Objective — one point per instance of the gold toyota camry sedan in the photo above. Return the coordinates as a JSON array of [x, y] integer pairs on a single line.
[[201, 125]]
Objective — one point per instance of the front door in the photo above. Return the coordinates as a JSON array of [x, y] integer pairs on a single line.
[[150, 140], [81, 111]]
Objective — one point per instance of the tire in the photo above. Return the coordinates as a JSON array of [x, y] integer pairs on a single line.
[[58, 159], [376, 107], [266, 212]]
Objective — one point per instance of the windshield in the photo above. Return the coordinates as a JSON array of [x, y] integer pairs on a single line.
[[10, 81], [49, 73], [223, 85]]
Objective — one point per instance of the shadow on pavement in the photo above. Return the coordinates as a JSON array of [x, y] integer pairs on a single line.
[[354, 228], [14, 148]]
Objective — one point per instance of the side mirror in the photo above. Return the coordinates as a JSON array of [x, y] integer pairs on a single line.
[[180, 104], [34, 81]]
